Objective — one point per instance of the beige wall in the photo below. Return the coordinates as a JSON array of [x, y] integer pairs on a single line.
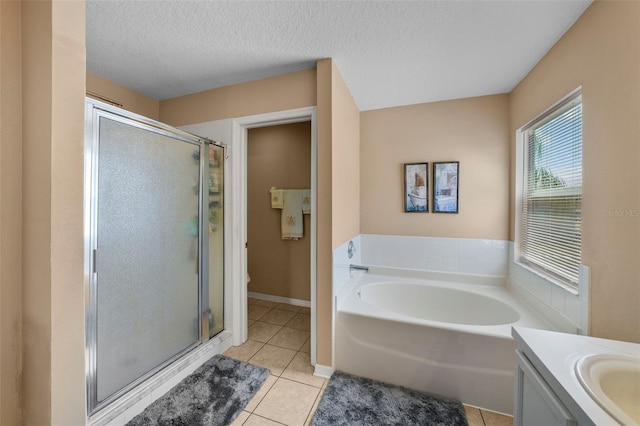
[[53, 55], [128, 99], [345, 161], [338, 189], [67, 195], [474, 131], [279, 93], [37, 98], [10, 213], [277, 156], [324, 256], [601, 52]]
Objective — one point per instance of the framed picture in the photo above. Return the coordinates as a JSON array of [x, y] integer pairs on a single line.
[[445, 186], [416, 183]]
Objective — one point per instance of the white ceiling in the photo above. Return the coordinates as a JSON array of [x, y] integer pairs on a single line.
[[390, 53]]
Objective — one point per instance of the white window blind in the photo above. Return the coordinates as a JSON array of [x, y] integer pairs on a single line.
[[550, 233]]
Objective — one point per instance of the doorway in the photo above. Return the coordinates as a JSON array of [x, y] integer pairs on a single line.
[[239, 207], [279, 264]]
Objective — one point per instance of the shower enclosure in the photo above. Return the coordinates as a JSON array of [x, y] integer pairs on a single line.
[[154, 248]]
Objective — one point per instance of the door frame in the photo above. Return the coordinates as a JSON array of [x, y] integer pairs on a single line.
[[238, 206]]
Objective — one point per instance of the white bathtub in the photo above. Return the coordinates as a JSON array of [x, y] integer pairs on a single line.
[[448, 334]]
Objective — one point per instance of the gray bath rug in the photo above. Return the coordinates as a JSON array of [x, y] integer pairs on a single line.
[[213, 395], [355, 401]]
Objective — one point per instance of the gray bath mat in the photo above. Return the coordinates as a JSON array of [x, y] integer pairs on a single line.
[[213, 395], [355, 401]]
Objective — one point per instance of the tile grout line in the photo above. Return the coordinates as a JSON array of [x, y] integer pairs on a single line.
[[312, 411], [263, 417], [278, 377]]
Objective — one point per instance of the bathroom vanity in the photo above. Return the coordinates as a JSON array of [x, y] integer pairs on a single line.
[[549, 387]]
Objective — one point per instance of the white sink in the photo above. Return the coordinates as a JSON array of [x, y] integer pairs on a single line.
[[613, 381]]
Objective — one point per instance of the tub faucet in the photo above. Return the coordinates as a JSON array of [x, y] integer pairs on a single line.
[[358, 268]]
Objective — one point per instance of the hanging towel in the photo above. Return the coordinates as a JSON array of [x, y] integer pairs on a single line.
[[306, 201], [277, 198], [291, 222]]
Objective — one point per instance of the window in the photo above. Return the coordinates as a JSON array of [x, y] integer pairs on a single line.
[[550, 210]]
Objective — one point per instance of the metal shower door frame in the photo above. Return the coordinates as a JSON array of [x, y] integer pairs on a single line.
[[94, 110]]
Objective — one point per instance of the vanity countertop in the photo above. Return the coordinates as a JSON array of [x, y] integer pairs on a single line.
[[555, 355]]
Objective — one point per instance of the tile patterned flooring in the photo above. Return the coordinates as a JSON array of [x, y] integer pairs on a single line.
[[279, 339]]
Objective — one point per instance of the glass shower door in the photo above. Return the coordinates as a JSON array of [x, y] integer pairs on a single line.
[[146, 261], [216, 239]]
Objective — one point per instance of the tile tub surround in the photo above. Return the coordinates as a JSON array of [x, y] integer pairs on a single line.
[[341, 262], [565, 310], [461, 255]]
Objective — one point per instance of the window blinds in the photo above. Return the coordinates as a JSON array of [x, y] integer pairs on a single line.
[[552, 194]]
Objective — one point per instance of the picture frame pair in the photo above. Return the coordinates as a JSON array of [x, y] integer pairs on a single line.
[[445, 187]]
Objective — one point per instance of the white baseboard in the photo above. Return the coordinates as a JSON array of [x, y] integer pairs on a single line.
[[280, 299], [323, 371]]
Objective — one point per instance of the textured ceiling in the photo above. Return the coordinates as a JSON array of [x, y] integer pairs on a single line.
[[390, 53]]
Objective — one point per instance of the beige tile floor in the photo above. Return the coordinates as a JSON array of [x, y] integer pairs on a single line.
[[279, 339]]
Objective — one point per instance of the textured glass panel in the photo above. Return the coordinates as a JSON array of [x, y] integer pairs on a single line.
[[216, 239], [147, 260]]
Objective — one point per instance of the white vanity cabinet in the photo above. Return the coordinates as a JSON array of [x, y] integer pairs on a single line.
[[535, 403], [547, 389]]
